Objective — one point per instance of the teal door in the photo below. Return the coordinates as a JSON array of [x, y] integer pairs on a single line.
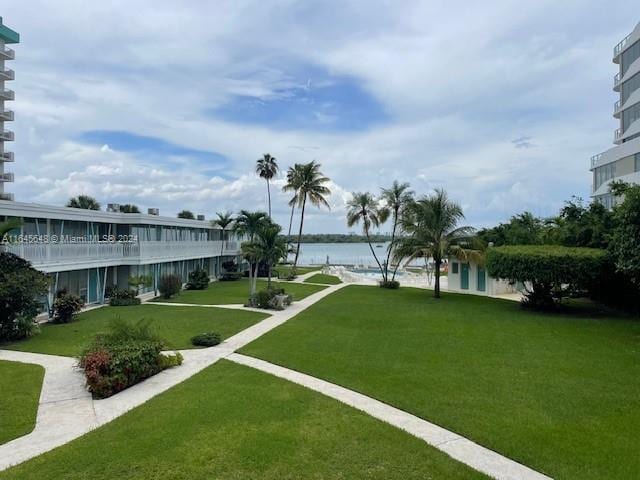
[[482, 279], [464, 276]]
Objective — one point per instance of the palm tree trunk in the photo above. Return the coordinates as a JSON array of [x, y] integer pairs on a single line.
[[436, 291], [295, 261], [221, 251], [393, 237], [269, 197], [269, 278], [384, 277]]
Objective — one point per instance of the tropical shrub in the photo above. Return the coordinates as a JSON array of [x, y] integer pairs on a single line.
[[267, 299], [548, 272], [169, 285], [121, 297], [263, 298], [198, 280], [126, 355], [20, 286], [625, 241], [65, 307], [208, 339], [170, 360], [390, 284]]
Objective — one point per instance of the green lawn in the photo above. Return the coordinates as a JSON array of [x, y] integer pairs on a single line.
[[559, 393], [174, 324], [324, 279], [224, 293], [285, 270], [20, 384], [232, 422]]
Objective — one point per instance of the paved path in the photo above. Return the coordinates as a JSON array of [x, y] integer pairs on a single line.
[[464, 450]]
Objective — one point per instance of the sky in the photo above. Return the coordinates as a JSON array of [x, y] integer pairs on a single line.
[[169, 104]]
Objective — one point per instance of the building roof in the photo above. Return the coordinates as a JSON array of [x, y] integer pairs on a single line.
[[34, 210], [8, 35]]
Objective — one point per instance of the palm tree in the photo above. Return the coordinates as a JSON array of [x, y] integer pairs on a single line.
[[311, 187], [267, 168], [430, 227], [223, 221], [248, 224], [83, 201], [396, 198], [129, 208], [269, 247], [364, 208], [294, 175]]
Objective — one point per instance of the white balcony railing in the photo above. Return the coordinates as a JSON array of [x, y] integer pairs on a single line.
[[620, 46], [616, 107], [7, 53], [7, 74], [6, 157], [6, 177], [7, 135], [617, 134], [6, 196], [7, 116], [123, 253], [595, 159], [616, 79], [7, 94]]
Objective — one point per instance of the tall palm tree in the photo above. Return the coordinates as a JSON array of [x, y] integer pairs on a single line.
[[294, 174], [84, 201], [223, 221], [364, 208], [430, 227], [396, 198], [248, 224], [267, 168], [269, 247], [311, 188]]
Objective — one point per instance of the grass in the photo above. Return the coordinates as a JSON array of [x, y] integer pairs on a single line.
[[20, 384], [174, 324], [285, 270], [324, 279], [232, 422], [557, 392], [233, 292]]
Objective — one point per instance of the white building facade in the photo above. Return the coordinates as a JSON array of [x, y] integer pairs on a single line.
[[622, 162], [7, 36], [87, 252]]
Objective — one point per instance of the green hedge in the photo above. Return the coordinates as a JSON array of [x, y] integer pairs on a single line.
[[548, 271]]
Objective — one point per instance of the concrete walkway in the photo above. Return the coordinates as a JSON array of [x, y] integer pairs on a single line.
[[67, 411], [464, 450]]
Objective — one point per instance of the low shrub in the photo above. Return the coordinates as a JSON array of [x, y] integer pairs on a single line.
[[123, 297], [263, 298], [65, 307], [169, 285], [390, 284], [198, 280], [208, 339], [268, 299], [126, 355]]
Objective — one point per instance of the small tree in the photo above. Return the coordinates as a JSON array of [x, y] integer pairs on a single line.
[[169, 285], [85, 202], [186, 214], [625, 242], [198, 279], [20, 286], [548, 272], [65, 307]]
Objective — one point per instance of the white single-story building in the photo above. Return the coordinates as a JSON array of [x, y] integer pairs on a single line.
[[471, 277]]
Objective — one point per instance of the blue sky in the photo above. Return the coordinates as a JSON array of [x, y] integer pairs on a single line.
[[500, 103]]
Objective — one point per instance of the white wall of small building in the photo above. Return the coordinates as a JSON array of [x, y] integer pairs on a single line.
[[493, 286]]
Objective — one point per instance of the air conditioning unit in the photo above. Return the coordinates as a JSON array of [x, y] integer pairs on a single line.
[[153, 211], [200, 217], [113, 207]]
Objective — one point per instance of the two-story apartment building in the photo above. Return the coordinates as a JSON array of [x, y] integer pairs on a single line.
[[86, 251], [622, 162]]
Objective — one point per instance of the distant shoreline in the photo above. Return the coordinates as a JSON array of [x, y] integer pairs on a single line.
[[337, 238]]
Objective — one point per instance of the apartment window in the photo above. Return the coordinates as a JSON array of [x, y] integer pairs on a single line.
[[454, 267], [607, 200], [630, 86], [630, 115], [629, 56], [603, 174]]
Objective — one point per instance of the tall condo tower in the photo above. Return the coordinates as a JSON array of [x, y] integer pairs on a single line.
[[622, 162], [7, 36]]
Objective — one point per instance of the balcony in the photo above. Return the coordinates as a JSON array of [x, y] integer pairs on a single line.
[[7, 75], [50, 256], [616, 81], [6, 94], [616, 109], [617, 135], [6, 177], [6, 136], [7, 53], [595, 159], [6, 116], [6, 196], [6, 157], [617, 50]]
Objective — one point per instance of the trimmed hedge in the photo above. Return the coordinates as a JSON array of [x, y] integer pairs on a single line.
[[549, 272], [121, 297], [208, 339]]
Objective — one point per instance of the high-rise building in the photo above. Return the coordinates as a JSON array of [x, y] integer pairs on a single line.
[[7, 36], [622, 162]]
